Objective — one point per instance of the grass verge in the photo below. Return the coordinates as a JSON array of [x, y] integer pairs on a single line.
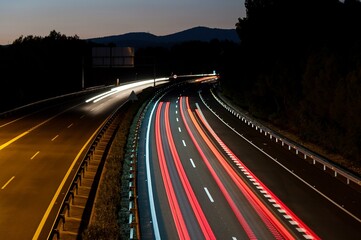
[[110, 214]]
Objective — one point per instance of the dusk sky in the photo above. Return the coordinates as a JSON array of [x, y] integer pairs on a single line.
[[95, 18]]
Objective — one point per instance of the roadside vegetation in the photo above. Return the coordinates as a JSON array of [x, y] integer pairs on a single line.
[[34, 68], [110, 214], [298, 67]]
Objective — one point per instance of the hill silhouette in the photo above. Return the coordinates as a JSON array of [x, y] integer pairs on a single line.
[[143, 39]]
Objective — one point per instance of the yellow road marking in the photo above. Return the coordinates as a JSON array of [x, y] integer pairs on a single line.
[[13, 140], [34, 155], [7, 182], [51, 205]]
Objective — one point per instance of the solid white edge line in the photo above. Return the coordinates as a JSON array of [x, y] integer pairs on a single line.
[[281, 165], [149, 178]]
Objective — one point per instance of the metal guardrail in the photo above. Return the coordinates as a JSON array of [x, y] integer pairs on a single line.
[[76, 182], [77, 179], [45, 101], [133, 205], [134, 231], [327, 166]]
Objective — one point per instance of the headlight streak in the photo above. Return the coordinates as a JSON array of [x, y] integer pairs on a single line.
[[98, 96], [131, 85], [123, 88], [198, 75]]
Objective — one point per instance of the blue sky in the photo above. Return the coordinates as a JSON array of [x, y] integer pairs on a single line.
[[96, 18]]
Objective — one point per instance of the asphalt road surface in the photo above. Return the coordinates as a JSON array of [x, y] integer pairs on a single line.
[[205, 174], [40, 150]]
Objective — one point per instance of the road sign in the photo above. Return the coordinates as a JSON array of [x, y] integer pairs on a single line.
[[113, 57]]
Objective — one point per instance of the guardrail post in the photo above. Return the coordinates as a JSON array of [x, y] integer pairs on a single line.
[[79, 177], [75, 185], [71, 194], [67, 205], [86, 162], [56, 233], [62, 218], [82, 170]]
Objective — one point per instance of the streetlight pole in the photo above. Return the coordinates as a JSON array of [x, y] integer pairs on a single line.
[[82, 73], [154, 75]]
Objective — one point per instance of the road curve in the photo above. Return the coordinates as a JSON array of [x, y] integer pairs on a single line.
[[39, 151], [209, 175]]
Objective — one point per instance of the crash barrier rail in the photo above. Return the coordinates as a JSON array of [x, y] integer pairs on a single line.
[[134, 231], [338, 172], [49, 100], [134, 138], [131, 177], [72, 190]]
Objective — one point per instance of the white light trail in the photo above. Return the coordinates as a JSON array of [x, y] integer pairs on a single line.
[[123, 88]]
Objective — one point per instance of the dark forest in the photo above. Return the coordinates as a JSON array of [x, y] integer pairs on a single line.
[[299, 66]]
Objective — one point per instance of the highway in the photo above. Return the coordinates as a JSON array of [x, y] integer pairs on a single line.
[[40, 149], [204, 174]]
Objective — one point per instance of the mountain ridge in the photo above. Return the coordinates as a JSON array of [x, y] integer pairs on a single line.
[[144, 39]]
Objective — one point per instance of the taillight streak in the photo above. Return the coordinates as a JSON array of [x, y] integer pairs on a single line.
[[274, 226], [172, 199], [229, 199], [202, 220], [308, 233]]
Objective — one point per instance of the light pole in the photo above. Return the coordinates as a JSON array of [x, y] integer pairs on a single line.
[[154, 74]]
